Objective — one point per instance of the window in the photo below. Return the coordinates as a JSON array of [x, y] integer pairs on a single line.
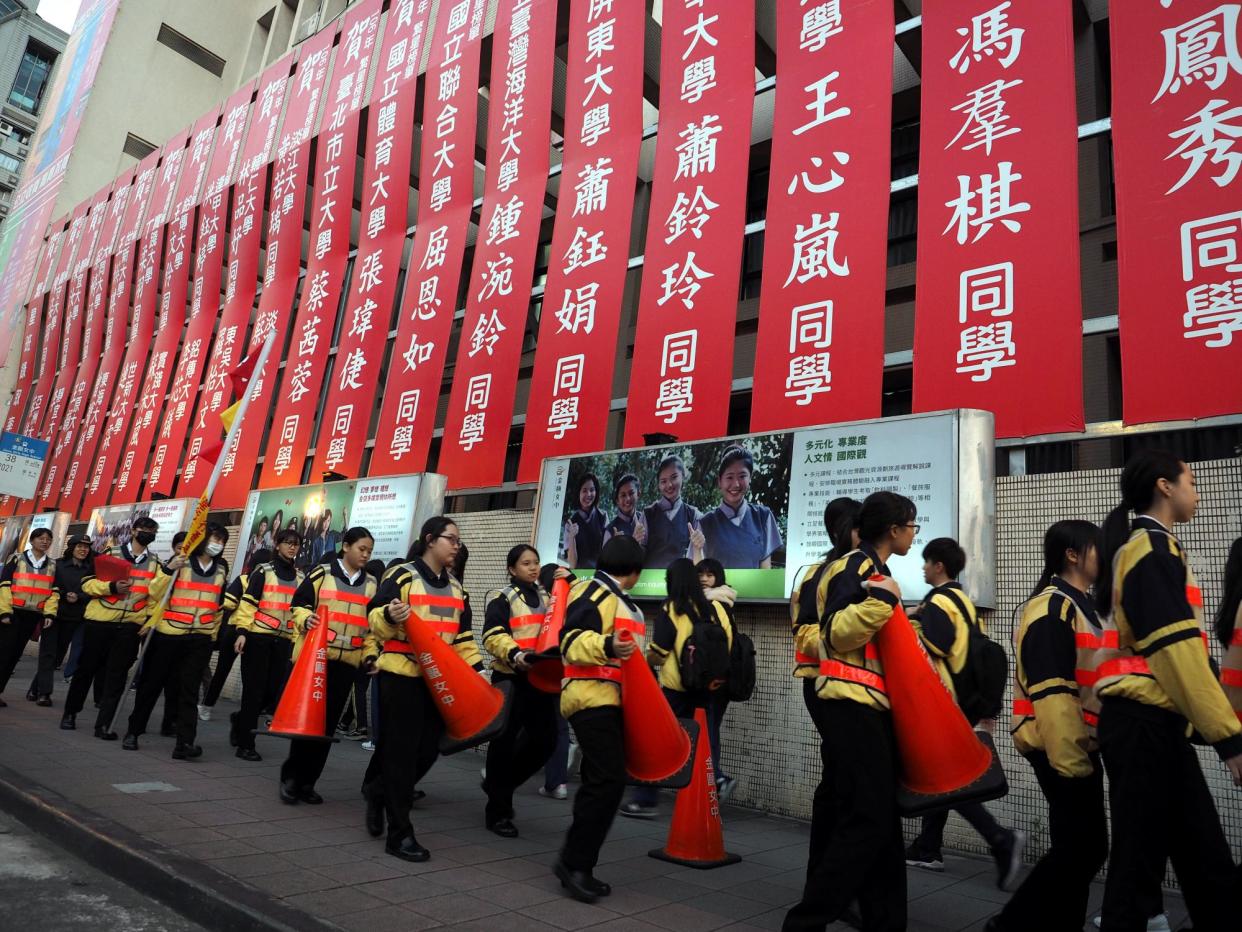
[[136, 147], [7, 7], [188, 48], [10, 163], [32, 77]]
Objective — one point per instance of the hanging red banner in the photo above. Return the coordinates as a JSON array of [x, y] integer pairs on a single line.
[[116, 347], [575, 353], [241, 285], [351, 393], [998, 315], [331, 211], [280, 276], [1177, 119], [94, 326], [687, 305], [205, 294], [826, 240], [476, 430], [445, 198]]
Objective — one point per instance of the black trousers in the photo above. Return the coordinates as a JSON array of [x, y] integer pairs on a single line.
[[821, 829], [110, 646], [264, 667], [307, 758], [53, 645], [931, 837], [863, 856], [602, 742], [13, 638], [1161, 809], [406, 749], [175, 660], [224, 663], [1054, 894], [521, 750]]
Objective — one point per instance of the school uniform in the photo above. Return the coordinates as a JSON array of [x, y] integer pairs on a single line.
[[857, 847], [740, 539], [226, 656], [621, 526], [345, 596], [1156, 688], [668, 531], [54, 642], [590, 537], [513, 620], [28, 597], [410, 724], [1231, 666]]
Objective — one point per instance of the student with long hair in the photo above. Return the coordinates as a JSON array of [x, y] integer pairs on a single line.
[[74, 565], [857, 851], [672, 523], [717, 589], [629, 519], [556, 771], [1054, 727], [584, 531], [1155, 687], [1229, 628]]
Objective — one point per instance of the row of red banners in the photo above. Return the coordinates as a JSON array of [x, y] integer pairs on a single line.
[[998, 309]]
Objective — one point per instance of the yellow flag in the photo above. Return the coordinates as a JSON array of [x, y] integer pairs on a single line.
[[228, 414]]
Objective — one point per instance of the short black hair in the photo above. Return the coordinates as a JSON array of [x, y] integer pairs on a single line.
[[179, 539], [515, 554], [145, 521], [217, 530], [735, 454], [39, 532], [715, 567], [621, 556], [288, 534], [947, 551], [260, 556], [622, 483]]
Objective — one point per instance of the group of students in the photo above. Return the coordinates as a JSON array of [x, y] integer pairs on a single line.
[[1120, 684]]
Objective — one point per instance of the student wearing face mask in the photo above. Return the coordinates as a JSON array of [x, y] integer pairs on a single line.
[[181, 642], [584, 531], [672, 525], [629, 520], [739, 533], [27, 599]]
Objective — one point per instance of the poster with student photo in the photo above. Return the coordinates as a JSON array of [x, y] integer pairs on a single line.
[[320, 513], [111, 526]]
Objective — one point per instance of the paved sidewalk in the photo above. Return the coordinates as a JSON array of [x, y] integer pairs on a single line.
[[224, 814]]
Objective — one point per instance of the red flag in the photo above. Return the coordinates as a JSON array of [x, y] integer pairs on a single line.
[[241, 373], [211, 452]]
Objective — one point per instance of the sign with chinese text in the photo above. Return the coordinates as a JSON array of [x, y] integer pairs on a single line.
[[21, 462]]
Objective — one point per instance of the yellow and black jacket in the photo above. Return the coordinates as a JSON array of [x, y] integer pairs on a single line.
[[436, 601], [266, 607], [850, 615], [1231, 667], [943, 622], [149, 581], [232, 598], [196, 602], [327, 592], [28, 587], [512, 622], [669, 635], [1160, 657], [1055, 709], [804, 614], [598, 608]]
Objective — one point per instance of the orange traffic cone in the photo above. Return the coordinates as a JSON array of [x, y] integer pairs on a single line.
[[657, 745], [944, 763], [546, 673], [473, 710], [696, 835], [303, 708]]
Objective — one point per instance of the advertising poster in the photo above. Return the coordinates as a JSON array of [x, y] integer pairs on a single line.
[[110, 526], [16, 531], [755, 502]]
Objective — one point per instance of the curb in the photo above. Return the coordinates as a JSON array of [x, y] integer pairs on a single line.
[[191, 888]]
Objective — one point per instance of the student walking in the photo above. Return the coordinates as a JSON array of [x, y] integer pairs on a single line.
[[54, 642], [28, 599]]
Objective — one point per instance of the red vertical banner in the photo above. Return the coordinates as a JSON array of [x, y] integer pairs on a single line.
[[94, 329], [687, 305], [575, 353], [826, 240], [998, 312], [476, 430], [205, 294], [117, 349], [331, 211], [241, 285], [284, 257], [27, 366], [445, 196], [1177, 123], [346, 415]]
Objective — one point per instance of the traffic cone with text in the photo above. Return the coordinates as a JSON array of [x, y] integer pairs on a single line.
[[303, 708], [546, 673]]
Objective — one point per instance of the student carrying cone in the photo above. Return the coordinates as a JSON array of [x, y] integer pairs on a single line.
[[28, 599]]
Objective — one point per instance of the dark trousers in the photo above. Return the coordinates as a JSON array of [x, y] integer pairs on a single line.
[[406, 748], [175, 660], [863, 856], [355, 715], [932, 835], [1054, 894], [1161, 809], [603, 785], [264, 666], [13, 638], [683, 705], [521, 750], [53, 645], [224, 664], [306, 758], [556, 771], [110, 646], [820, 829]]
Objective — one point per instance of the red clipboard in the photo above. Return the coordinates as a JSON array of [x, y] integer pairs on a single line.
[[111, 569]]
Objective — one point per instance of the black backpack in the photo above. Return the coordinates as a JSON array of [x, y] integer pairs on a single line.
[[741, 668], [705, 657], [980, 685]]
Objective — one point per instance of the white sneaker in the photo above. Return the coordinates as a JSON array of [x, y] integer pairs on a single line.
[[368, 745], [1158, 923], [560, 792], [204, 713]]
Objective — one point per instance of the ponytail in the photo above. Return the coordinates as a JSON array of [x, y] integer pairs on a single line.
[[1227, 614], [1076, 535]]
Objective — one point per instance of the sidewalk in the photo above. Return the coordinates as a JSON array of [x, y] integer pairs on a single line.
[[217, 824]]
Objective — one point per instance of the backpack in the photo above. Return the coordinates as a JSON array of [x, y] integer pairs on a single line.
[[741, 682], [705, 658], [980, 684]]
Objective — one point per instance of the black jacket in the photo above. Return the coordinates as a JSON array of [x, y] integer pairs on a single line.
[[69, 576]]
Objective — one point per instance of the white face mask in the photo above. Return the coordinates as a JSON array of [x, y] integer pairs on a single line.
[[214, 550]]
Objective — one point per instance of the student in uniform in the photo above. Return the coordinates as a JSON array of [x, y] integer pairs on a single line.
[[265, 631], [556, 771], [584, 531], [27, 599], [943, 620], [181, 642], [115, 614], [410, 725], [629, 520], [592, 650], [1229, 628], [341, 591], [855, 823], [717, 589], [740, 534], [1155, 687], [71, 569], [511, 628], [672, 524], [226, 637]]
